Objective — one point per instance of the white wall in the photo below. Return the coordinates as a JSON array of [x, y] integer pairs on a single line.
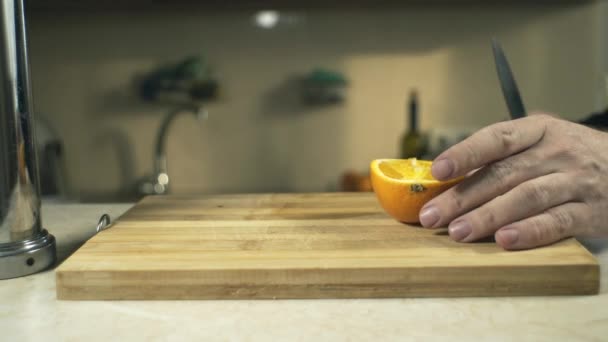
[[258, 137], [602, 55]]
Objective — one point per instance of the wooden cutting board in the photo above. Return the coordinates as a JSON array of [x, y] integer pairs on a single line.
[[332, 245]]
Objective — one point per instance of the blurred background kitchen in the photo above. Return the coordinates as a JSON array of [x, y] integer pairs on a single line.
[[289, 97]]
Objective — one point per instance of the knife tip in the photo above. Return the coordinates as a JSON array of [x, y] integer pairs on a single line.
[[495, 43], [496, 49]]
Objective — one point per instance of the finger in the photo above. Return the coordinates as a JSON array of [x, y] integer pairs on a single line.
[[551, 226], [481, 187], [489, 144], [527, 199]]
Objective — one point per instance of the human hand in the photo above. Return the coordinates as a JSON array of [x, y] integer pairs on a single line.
[[531, 182]]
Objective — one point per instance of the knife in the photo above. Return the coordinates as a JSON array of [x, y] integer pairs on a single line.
[[507, 82]]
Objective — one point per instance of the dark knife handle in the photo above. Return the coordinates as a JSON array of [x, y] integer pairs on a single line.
[[507, 83]]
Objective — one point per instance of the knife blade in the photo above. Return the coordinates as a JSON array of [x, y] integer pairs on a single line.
[[507, 82]]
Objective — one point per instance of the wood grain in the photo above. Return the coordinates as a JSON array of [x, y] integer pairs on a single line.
[[328, 245]]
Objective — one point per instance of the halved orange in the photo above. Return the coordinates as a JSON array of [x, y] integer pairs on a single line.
[[403, 186]]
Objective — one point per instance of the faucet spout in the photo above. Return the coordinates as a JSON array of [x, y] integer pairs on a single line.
[[159, 184]]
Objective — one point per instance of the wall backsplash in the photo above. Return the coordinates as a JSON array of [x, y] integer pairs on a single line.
[[258, 138]]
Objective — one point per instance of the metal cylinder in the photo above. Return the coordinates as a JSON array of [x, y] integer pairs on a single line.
[[25, 247]]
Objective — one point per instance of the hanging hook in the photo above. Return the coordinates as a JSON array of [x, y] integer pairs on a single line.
[[104, 223]]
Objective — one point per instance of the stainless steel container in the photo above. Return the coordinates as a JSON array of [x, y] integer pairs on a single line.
[[25, 247]]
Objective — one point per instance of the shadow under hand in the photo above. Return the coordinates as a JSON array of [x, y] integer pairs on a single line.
[[489, 239], [594, 245]]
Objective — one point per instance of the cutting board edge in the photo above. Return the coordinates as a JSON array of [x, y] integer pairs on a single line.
[[308, 293], [572, 280]]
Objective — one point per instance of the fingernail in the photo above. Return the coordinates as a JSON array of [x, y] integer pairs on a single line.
[[507, 237], [459, 230], [429, 216], [442, 169]]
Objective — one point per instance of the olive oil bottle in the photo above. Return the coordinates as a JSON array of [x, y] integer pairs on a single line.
[[413, 142]]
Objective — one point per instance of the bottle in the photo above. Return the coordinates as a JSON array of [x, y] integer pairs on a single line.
[[413, 143]]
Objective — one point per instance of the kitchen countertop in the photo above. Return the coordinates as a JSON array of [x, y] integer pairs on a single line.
[[29, 310]]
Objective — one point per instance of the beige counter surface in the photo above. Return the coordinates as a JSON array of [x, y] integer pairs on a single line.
[[30, 312]]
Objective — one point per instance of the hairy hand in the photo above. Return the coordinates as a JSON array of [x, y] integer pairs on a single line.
[[537, 180]]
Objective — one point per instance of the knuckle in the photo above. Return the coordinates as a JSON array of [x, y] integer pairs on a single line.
[[539, 231], [483, 222], [472, 156], [561, 220], [562, 152], [591, 164], [544, 122], [535, 195], [586, 186], [456, 202], [489, 218], [506, 135]]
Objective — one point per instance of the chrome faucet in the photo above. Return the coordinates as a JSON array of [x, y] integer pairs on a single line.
[[158, 184], [25, 247]]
